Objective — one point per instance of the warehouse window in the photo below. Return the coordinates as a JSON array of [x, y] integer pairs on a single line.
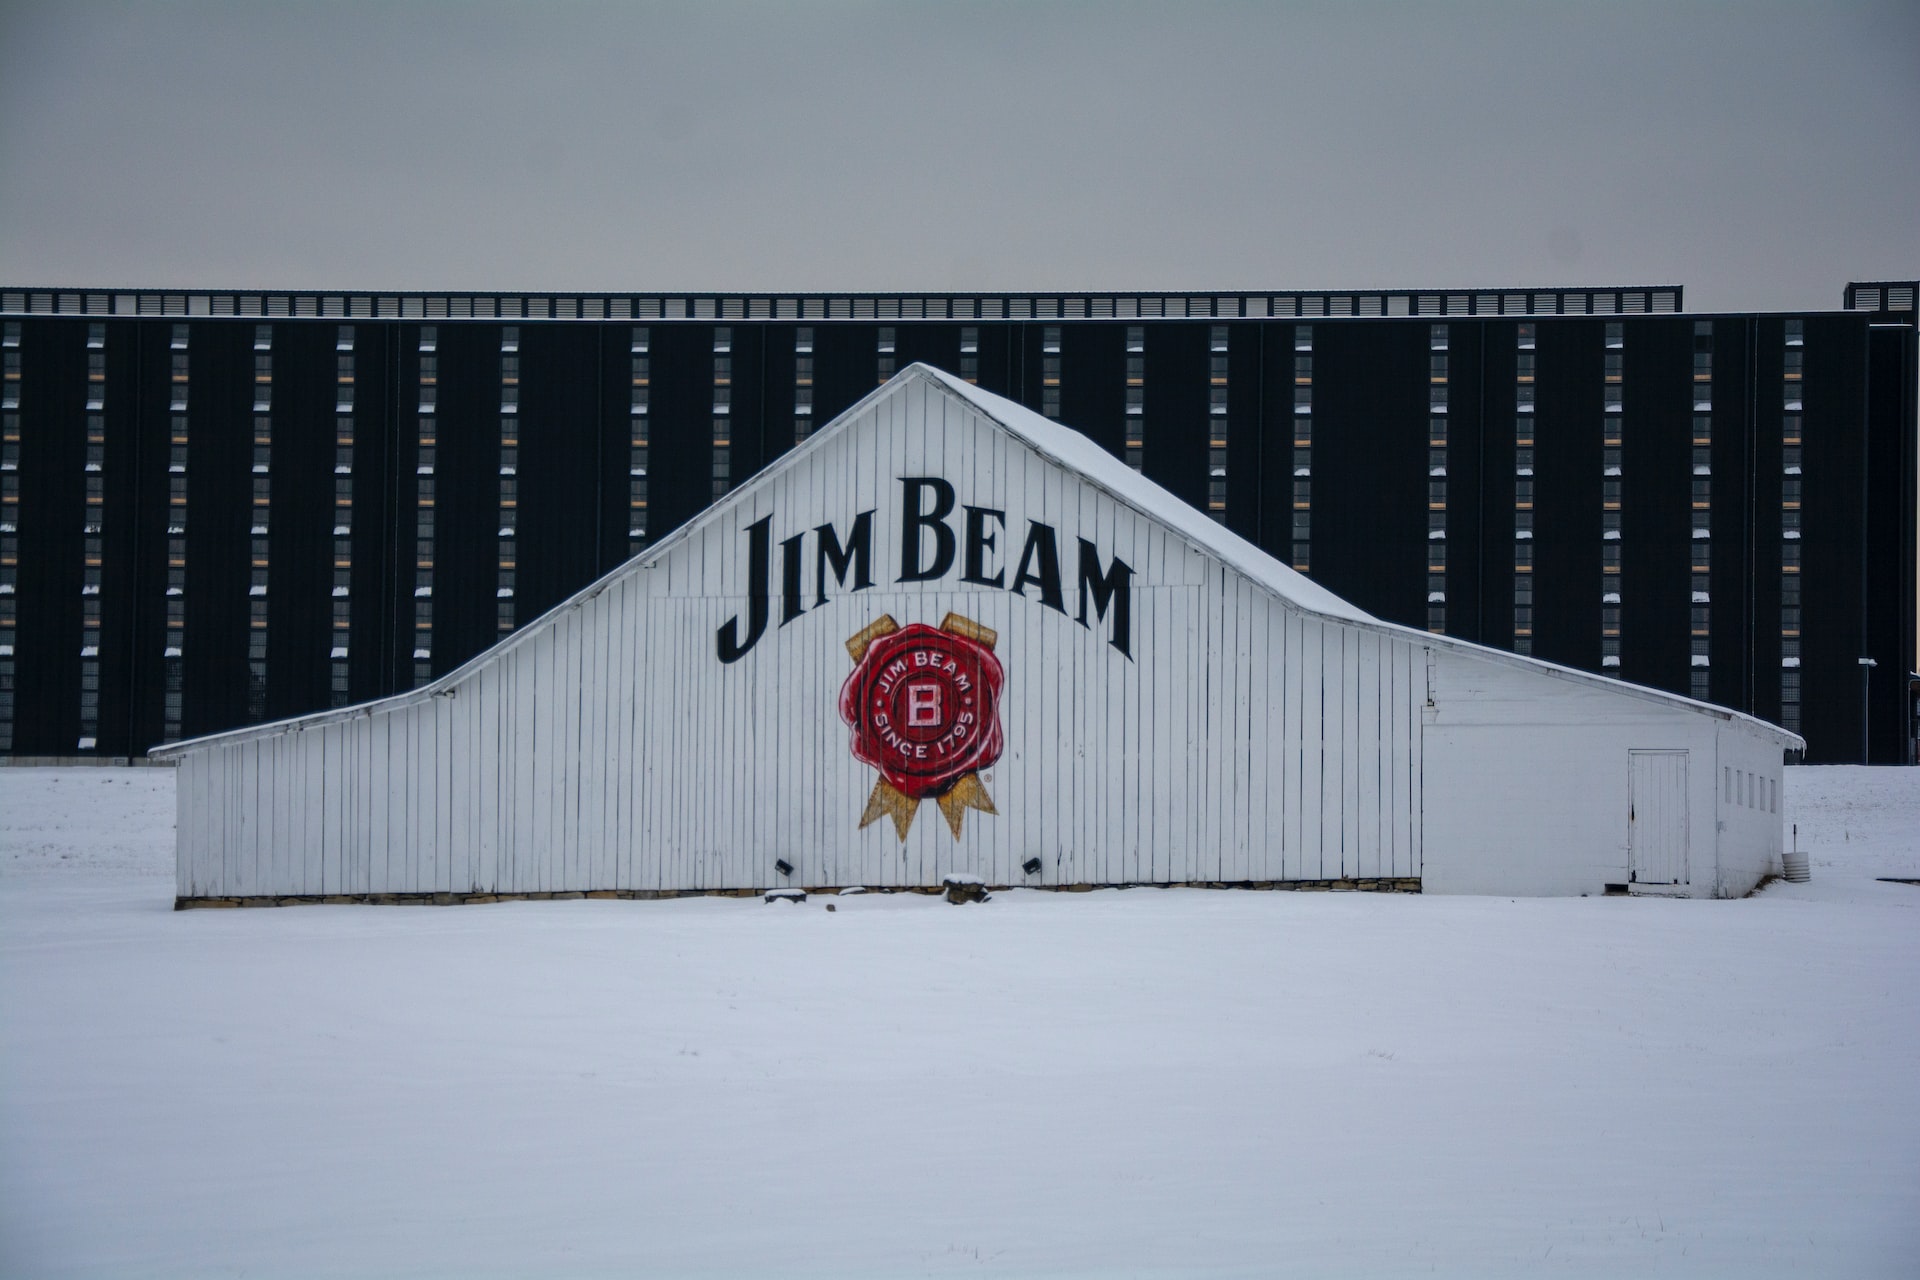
[[883, 349], [802, 383], [1303, 448], [1438, 388], [173, 657], [1217, 425], [259, 547], [722, 437], [1700, 638], [1793, 359], [1523, 492], [9, 541], [1050, 371], [1613, 490], [340, 648], [506, 482], [970, 354], [1134, 439], [639, 436], [93, 539], [426, 441]]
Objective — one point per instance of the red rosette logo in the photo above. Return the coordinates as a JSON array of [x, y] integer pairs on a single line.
[[924, 706]]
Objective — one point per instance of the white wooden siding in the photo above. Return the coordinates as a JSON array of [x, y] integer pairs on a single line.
[[1528, 783], [1250, 737], [608, 748]]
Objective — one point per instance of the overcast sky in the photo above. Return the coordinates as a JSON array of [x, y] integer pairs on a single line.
[[1759, 155]]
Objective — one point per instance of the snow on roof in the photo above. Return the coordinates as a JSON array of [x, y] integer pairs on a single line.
[[1071, 449], [1077, 453]]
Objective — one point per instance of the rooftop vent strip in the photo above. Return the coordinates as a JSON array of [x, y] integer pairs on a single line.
[[1281, 304]]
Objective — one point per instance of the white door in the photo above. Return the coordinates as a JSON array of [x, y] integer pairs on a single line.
[[1657, 817]]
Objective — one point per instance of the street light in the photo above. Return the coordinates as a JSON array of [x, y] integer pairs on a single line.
[[1866, 674]]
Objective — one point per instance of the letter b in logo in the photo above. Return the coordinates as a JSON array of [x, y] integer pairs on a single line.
[[923, 706]]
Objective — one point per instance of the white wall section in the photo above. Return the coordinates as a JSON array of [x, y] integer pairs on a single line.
[[1176, 707]]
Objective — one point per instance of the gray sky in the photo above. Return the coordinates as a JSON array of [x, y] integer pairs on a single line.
[[1761, 155]]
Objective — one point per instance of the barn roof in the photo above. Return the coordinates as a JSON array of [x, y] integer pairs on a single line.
[[1074, 451], [1077, 453], [1071, 450]]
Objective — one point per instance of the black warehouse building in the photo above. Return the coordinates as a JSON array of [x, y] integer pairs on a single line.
[[218, 508]]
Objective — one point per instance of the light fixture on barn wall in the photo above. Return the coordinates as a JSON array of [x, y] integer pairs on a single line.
[[784, 867], [1031, 866]]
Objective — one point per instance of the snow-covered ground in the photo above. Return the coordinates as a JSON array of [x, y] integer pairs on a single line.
[[1146, 1083]]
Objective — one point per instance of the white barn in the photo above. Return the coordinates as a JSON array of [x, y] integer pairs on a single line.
[[947, 636]]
